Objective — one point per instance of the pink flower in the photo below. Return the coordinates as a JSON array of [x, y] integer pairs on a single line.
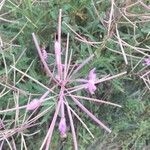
[[35, 103], [62, 127], [147, 61], [92, 74], [91, 82]]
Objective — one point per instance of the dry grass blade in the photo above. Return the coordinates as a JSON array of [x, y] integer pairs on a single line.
[[36, 81], [122, 49]]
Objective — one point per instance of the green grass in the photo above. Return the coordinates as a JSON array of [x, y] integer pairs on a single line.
[[129, 124]]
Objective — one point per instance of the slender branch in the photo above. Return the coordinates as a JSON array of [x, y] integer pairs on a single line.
[[121, 46], [109, 78], [36, 81], [82, 65], [72, 128], [96, 100], [48, 137], [58, 47], [90, 114], [42, 59], [85, 126]]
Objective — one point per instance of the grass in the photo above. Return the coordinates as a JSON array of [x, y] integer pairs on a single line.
[[116, 32]]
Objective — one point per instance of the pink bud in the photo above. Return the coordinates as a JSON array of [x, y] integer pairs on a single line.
[[44, 53], [35, 103], [62, 127], [92, 74], [91, 82], [147, 61]]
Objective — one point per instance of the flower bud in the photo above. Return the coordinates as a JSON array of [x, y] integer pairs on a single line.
[[91, 82], [35, 103], [62, 127], [44, 53], [147, 61]]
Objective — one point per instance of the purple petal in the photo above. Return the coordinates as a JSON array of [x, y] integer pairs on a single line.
[[147, 61], [92, 74], [91, 87]]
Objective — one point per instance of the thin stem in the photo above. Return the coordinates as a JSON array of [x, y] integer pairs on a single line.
[[58, 47], [61, 97], [109, 78], [44, 96], [13, 109], [110, 18], [42, 59], [90, 114], [82, 65], [59, 27], [85, 126], [122, 49], [48, 137], [33, 79], [72, 128], [66, 59], [96, 100]]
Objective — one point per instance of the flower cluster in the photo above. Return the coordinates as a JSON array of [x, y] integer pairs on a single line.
[[65, 90]]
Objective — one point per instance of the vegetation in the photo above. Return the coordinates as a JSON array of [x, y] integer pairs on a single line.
[[114, 34]]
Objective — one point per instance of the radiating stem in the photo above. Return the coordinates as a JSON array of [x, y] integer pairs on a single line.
[[48, 137], [90, 114], [42, 59], [72, 128]]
